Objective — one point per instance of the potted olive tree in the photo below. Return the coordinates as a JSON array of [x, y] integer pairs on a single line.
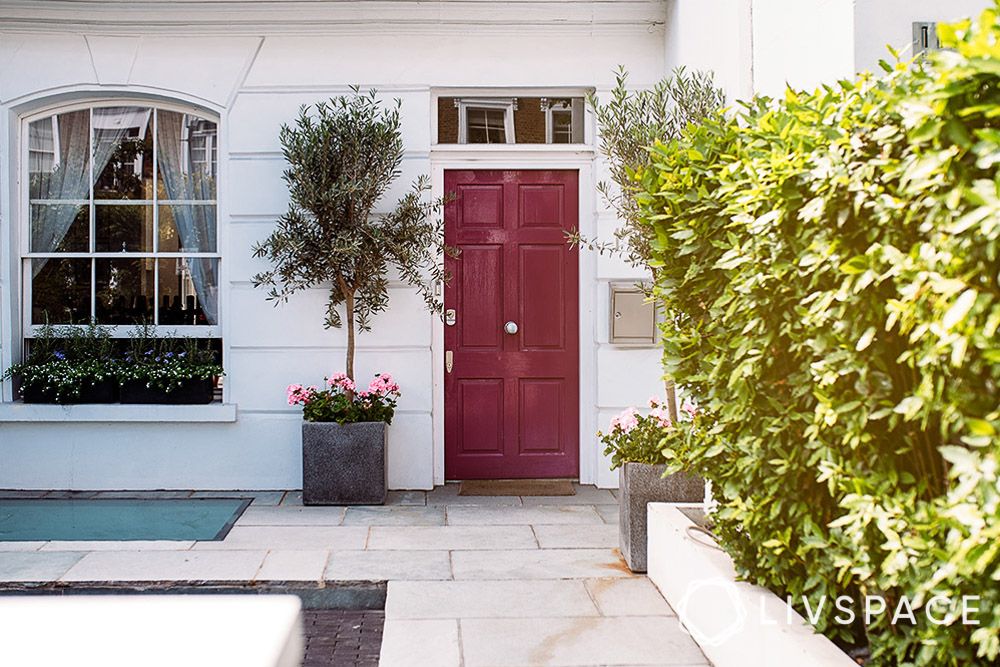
[[637, 444], [342, 157]]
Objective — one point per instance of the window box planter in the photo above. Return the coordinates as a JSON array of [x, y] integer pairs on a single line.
[[640, 484], [101, 391], [190, 392], [343, 464]]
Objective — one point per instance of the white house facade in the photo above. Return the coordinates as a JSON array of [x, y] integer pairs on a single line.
[[491, 94]]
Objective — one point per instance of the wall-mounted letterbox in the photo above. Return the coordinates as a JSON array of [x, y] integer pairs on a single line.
[[633, 316]]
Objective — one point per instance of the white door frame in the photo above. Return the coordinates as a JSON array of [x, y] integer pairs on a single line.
[[525, 157]]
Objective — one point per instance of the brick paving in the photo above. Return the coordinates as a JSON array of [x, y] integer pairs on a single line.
[[339, 638]]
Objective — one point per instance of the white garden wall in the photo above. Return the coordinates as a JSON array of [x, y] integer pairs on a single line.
[[254, 67]]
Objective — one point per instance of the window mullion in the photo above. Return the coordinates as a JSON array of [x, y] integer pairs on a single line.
[[93, 220]]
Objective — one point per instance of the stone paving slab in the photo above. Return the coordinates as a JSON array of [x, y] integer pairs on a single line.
[[420, 643], [388, 565], [608, 512], [293, 566], [585, 495], [291, 516], [146, 495], [166, 566], [134, 545], [488, 599], [451, 537], [289, 537], [35, 565], [576, 537], [394, 516], [406, 498], [21, 546], [539, 564], [635, 596], [448, 495], [639, 640], [260, 498], [501, 516]]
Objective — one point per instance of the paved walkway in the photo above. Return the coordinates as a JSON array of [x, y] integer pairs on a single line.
[[473, 581]]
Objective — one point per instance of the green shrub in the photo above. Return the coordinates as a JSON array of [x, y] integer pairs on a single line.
[[829, 264]]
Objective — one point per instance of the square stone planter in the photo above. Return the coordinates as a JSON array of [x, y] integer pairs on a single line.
[[343, 464], [639, 484]]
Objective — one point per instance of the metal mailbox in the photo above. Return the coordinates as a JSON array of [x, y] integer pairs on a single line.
[[633, 316]]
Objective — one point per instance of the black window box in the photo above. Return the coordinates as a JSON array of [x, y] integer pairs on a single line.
[[190, 392], [101, 391]]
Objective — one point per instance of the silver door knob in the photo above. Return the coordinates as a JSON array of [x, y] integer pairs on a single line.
[[511, 328]]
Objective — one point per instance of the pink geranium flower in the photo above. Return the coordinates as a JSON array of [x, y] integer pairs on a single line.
[[340, 380]]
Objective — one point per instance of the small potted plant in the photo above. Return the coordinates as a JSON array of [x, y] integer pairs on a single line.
[[344, 439], [68, 365], [167, 370], [635, 443]]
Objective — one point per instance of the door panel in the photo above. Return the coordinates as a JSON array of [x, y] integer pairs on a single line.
[[512, 401]]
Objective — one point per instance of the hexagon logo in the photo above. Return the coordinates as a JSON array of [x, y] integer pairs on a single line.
[[711, 620]]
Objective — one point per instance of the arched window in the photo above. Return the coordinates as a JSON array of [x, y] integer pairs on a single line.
[[120, 218]]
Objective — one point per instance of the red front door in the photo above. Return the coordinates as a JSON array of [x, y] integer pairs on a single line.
[[512, 397]]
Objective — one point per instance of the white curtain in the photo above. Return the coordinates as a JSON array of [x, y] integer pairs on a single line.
[[184, 180], [69, 177]]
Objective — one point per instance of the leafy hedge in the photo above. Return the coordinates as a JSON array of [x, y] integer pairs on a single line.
[[830, 264]]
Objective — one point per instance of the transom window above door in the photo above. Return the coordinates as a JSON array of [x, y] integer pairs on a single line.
[[120, 217], [510, 120]]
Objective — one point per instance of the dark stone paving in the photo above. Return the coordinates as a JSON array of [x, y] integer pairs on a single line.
[[340, 638]]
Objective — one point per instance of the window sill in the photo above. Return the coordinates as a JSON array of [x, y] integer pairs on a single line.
[[43, 412]]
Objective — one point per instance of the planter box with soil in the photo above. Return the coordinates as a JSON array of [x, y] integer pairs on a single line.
[[190, 392], [101, 391]]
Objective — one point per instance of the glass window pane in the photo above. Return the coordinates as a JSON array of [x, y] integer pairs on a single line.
[[187, 227], [60, 291], [187, 156], [124, 291], [123, 153], [189, 290], [60, 228], [57, 156], [123, 228], [485, 126], [562, 126]]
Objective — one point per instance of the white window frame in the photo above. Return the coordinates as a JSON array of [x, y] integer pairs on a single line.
[[508, 105], [28, 329], [575, 116]]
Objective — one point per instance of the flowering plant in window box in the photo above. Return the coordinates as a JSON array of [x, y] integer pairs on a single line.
[[68, 365], [637, 444], [343, 439], [167, 370]]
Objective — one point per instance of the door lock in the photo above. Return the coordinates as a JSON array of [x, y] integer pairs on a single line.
[[449, 317], [449, 361]]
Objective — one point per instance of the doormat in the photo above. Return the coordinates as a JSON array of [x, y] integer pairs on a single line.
[[517, 487], [87, 519]]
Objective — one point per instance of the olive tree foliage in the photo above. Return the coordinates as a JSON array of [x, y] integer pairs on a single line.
[[342, 157], [628, 124]]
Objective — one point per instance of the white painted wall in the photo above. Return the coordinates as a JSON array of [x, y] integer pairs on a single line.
[[801, 43], [255, 71], [890, 22], [712, 35]]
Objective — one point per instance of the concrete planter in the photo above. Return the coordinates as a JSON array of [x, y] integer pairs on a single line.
[[639, 484], [735, 623], [343, 464]]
